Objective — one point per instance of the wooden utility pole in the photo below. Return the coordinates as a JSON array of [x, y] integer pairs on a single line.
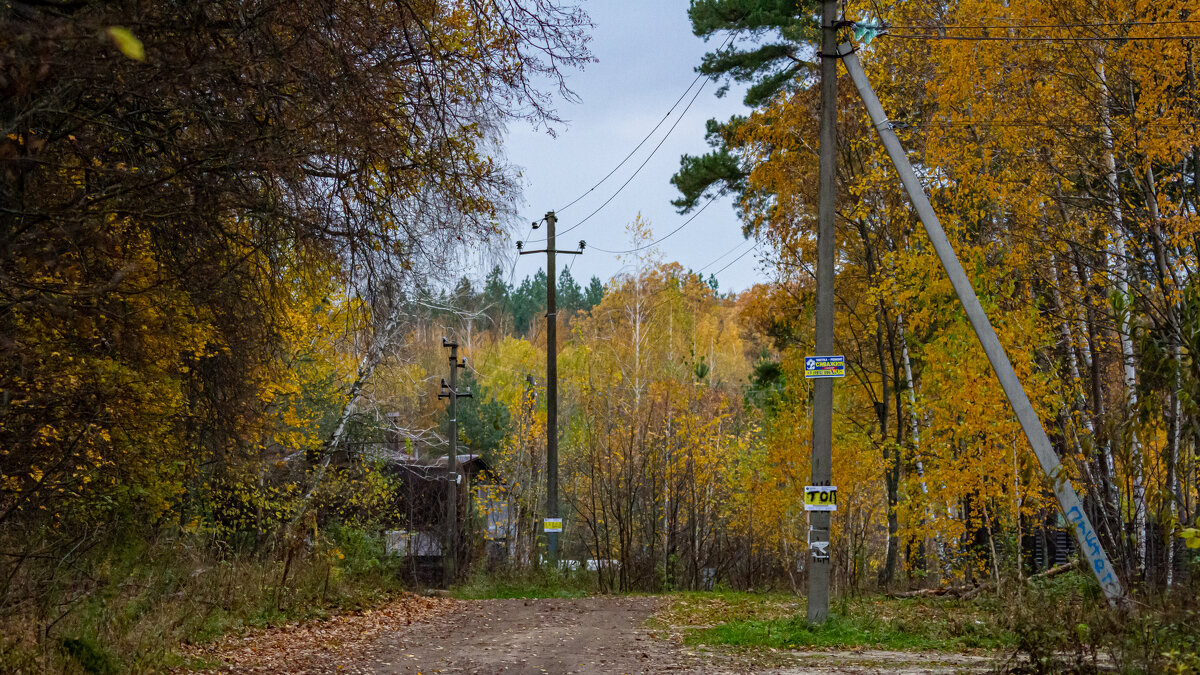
[[822, 429], [450, 391], [551, 378]]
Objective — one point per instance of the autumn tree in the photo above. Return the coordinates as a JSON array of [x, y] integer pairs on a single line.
[[194, 197]]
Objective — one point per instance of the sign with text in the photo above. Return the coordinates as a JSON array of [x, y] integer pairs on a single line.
[[553, 525], [820, 498], [824, 366]]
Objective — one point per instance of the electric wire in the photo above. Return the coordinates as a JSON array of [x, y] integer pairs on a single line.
[[665, 236], [644, 139], [725, 255], [743, 255], [1038, 38], [1022, 26], [640, 166], [670, 297]]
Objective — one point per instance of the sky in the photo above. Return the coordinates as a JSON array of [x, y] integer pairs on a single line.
[[646, 58]]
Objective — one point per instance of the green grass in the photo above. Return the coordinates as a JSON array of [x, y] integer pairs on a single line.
[[838, 631], [779, 621]]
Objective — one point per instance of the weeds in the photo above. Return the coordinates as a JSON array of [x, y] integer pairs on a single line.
[[536, 583], [1058, 625], [1064, 625], [128, 607], [779, 621]]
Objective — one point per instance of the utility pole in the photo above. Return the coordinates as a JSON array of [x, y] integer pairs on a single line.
[[552, 513], [822, 429], [450, 391], [1085, 535]]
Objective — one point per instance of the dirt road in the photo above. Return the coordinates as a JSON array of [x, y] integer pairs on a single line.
[[588, 635], [530, 637], [608, 635]]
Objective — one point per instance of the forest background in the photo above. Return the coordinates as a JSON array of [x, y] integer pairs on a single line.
[[221, 223]]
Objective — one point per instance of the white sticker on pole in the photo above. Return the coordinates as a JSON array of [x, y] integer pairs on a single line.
[[820, 549], [820, 498], [553, 525]]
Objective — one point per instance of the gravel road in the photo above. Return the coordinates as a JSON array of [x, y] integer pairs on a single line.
[[529, 637], [416, 634], [607, 635]]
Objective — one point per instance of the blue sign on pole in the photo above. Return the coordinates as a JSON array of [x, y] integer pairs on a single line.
[[824, 366]]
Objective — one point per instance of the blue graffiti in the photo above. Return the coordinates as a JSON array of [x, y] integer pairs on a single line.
[[1095, 552]]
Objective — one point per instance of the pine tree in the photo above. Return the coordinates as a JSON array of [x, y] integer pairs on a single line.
[[568, 295], [594, 293], [770, 68]]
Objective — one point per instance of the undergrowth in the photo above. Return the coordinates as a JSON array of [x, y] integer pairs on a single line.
[[129, 606], [1055, 625], [780, 621], [1065, 625], [546, 582]]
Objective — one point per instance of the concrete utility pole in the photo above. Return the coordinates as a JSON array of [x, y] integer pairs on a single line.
[[551, 377], [1068, 500], [450, 391], [822, 430]]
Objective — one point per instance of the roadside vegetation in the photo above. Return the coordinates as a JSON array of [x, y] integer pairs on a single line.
[[130, 605], [231, 244], [1051, 626], [779, 621], [544, 583]]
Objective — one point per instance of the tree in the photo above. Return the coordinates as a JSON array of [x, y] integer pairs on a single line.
[[529, 301], [180, 194], [568, 294], [483, 422], [594, 293], [771, 68], [496, 296]]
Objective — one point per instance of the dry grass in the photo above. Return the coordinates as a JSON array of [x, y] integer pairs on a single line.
[[133, 607]]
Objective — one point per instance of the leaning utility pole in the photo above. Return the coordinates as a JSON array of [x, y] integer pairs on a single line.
[[450, 391], [553, 523], [1068, 500], [822, 428]]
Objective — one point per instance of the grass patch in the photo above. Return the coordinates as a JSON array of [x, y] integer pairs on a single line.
[[779, 621], [544, 583], [838, 631]]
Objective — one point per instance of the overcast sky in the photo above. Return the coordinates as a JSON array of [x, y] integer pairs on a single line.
[[646, 58]]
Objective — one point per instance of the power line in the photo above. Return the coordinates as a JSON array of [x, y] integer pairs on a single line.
[[743, 255], [725, 254], [642, 142], [959, 124], [1039, 38], [640, 166], [667, 235], [1022, 26]]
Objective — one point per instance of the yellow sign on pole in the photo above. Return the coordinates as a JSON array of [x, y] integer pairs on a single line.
[[553, 525], [820, 498]]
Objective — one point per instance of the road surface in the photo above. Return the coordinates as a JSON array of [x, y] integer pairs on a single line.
[[606, 634]]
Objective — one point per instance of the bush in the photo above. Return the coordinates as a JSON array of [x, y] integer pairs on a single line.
[[545, 582], [1065, 625]]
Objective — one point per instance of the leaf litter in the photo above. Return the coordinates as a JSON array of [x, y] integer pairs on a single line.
[[344, 643]]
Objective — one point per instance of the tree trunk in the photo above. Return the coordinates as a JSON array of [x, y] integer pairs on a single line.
[[1121, 273]]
